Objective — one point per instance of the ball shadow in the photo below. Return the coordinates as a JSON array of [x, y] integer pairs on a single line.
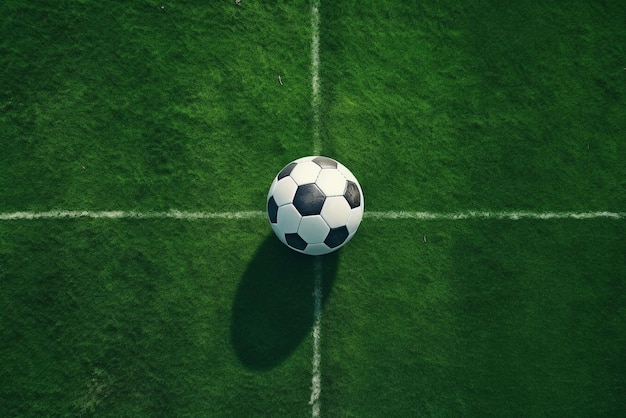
[[273, 308]]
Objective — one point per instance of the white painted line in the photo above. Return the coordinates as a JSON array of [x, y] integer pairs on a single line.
[[254, 214], [316, 379], [316, 98], [120, 214], [514, 215], [316, 374], [315, 79]]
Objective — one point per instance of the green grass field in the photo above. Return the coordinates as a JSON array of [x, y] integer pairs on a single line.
[[436, 106]]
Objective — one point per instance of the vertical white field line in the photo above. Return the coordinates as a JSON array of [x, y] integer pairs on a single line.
[[316, 379], [315, 78], [316, 374]]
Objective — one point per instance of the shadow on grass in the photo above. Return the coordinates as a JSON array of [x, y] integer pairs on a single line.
[[273, 308]]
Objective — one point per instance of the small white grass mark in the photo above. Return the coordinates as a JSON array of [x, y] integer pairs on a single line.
[[280, 80], [316, 379], [315, 79]]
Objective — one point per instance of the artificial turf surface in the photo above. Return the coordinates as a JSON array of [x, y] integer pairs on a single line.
[[435, 106]]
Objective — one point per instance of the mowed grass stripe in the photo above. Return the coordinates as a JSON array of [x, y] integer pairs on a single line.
[[387, 215]]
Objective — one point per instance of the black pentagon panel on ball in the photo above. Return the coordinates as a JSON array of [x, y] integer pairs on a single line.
[[286, 171], [352, 194], [296, 241], [272, 210], [325, 162], [309, 199], [336, 237]]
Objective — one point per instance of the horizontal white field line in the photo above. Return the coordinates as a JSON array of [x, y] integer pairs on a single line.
[[494, 215], [178, 214], [120, 214]]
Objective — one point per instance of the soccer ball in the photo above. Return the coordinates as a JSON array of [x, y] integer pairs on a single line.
[[315, 205]]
